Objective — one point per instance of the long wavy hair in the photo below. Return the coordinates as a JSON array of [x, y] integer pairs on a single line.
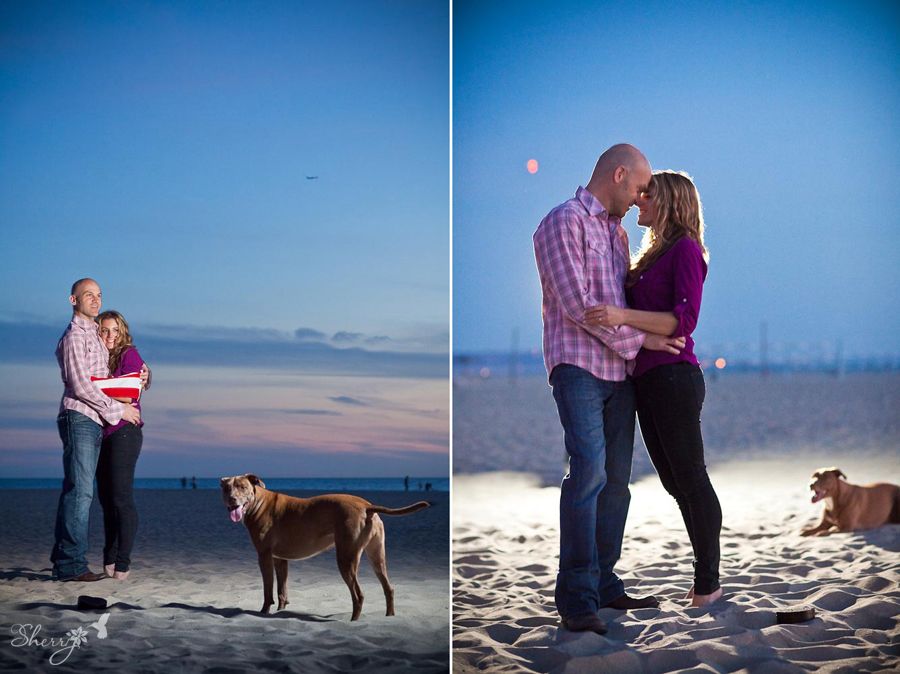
[[679, 213], [122, 343]]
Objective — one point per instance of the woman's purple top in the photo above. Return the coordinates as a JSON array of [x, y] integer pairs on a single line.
[[130, 361], [674, 283]]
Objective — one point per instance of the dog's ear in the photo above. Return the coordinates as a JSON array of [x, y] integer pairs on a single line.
[[255, 480], [840, 473], [223, 481]]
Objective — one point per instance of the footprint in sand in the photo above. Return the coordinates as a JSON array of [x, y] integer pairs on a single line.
[[833, 600], [505, 634], [475, 560]]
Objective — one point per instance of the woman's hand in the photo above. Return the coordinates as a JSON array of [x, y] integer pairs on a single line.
[[606, 315], [672, 345]]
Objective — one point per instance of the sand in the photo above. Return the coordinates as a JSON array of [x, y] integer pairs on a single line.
[[192, 601], [505, 539]]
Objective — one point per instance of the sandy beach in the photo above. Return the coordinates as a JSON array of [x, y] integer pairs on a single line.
[[192, 601], [761, 449]]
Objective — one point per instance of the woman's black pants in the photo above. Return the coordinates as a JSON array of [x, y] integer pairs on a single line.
[[669, 400], [115, 488]]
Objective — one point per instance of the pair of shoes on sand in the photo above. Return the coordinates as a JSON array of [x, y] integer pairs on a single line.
[[112, 573], [84, 577], [592, 623]]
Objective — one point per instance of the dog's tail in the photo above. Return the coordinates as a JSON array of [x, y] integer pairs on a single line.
[[398, 511]]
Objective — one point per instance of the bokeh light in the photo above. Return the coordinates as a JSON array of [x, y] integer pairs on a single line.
[[720, 363], [532, 166]]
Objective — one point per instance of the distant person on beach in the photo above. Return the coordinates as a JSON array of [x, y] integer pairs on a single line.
[[664, 288], [581, 250], [119, 454], [193, 483], [184, 483], [81, 354], [406, 483]]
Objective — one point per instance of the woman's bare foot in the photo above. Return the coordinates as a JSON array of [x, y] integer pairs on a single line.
[[121, 575], [706, 599], [110, 569]]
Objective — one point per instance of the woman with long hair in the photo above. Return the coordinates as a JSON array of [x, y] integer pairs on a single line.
[[663, 289], [119, 453]]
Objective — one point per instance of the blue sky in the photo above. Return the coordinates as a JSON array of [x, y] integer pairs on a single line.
[[784, 113], [163, 148]]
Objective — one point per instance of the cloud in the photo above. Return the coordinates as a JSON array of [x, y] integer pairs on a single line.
[[35, 342], [324, 413], [347, 400], [347, 337], [309, 335]]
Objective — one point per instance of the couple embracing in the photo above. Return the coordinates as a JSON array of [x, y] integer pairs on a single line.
[[101, 436], [617, 340]]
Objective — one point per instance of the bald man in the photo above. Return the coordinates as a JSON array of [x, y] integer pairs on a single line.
[[582, 256], [83, 409]]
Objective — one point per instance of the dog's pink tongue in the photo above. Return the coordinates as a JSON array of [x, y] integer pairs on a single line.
[[237, 513]]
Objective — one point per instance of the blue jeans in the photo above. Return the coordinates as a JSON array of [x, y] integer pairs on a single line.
[[81, 438], [598, 419]]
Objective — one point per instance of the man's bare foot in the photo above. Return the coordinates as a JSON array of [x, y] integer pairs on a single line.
[[110, 569], [121, 575], [706, 599]]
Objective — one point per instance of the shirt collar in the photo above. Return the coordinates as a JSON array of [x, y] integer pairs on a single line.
[[594, 208], [83, 323]]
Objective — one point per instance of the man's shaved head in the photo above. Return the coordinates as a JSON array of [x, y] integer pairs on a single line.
[[621, 174], [622, 154], [77, 285], [86, 298]]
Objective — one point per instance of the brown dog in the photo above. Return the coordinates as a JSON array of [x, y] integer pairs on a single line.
[[284, 527], [848, 506]]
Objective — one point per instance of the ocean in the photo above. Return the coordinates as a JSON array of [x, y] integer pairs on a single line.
[[319, 484]]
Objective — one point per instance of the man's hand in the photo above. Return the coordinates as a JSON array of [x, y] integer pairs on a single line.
[[672, 345], [132, 414], [145, 377], [606, 315]]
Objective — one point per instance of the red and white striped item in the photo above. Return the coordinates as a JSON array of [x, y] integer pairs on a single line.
[[123, 386]]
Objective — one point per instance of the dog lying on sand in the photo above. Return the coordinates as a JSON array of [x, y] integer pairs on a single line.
[[849, 507], [284, 527]]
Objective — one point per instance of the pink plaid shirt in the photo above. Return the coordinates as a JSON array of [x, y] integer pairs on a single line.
[[81, 354], [582, 258]]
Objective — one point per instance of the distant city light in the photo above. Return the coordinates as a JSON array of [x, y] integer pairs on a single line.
[[485, 372], [721, 363], [532, 166]]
